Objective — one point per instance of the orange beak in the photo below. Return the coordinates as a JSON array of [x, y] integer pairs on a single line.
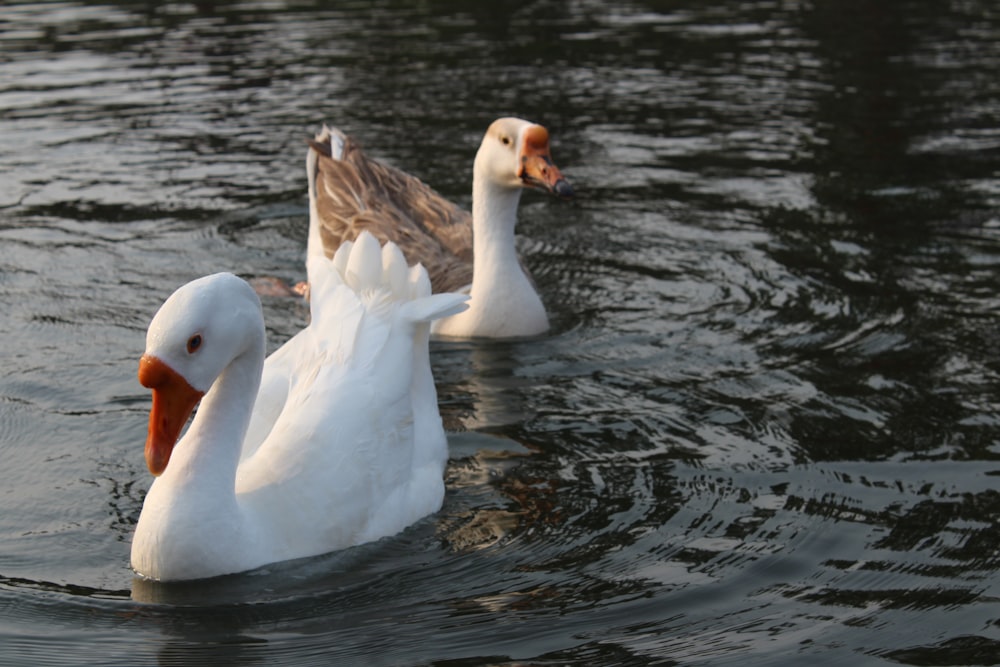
[[173, 401], [537, 169]]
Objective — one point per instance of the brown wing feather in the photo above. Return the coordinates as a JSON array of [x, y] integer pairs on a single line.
[[357, 193]]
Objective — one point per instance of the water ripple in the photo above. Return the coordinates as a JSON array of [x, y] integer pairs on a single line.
[[763, 430]]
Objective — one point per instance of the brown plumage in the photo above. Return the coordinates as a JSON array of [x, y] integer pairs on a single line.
[[357, 193]]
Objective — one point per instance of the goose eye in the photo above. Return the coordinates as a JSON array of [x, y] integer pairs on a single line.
[[194, 342], [505, 140]]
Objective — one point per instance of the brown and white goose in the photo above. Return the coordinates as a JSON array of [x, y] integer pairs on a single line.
[[350, 192]]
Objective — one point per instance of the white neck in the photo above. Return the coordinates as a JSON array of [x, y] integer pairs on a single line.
[[209, 453], [503, 301], [494, 216]]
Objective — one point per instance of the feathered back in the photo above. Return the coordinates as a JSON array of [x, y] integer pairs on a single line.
[[355, 194], [370, 320], [348, 422], [366, 302]]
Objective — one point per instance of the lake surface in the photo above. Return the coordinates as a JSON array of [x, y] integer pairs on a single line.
[[765, 428]]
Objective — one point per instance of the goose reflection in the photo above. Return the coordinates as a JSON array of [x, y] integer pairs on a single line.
[[485, 402]]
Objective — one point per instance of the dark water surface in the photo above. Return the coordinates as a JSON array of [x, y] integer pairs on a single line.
[[765, 430]]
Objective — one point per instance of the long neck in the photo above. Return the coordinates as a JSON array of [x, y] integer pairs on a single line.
[[211, 448], [494, 216]]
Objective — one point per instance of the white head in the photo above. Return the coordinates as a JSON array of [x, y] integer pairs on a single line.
[[198, 331], [515, 154]]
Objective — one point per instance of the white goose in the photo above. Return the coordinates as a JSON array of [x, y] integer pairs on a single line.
[[349, 192], [343, 443]]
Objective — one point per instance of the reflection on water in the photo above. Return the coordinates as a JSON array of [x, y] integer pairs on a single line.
[[764, 428]]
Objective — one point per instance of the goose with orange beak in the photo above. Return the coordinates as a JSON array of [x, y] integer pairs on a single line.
[[472, 254], [334, 440]]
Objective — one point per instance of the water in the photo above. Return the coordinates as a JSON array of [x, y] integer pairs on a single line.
[[764, 430]]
